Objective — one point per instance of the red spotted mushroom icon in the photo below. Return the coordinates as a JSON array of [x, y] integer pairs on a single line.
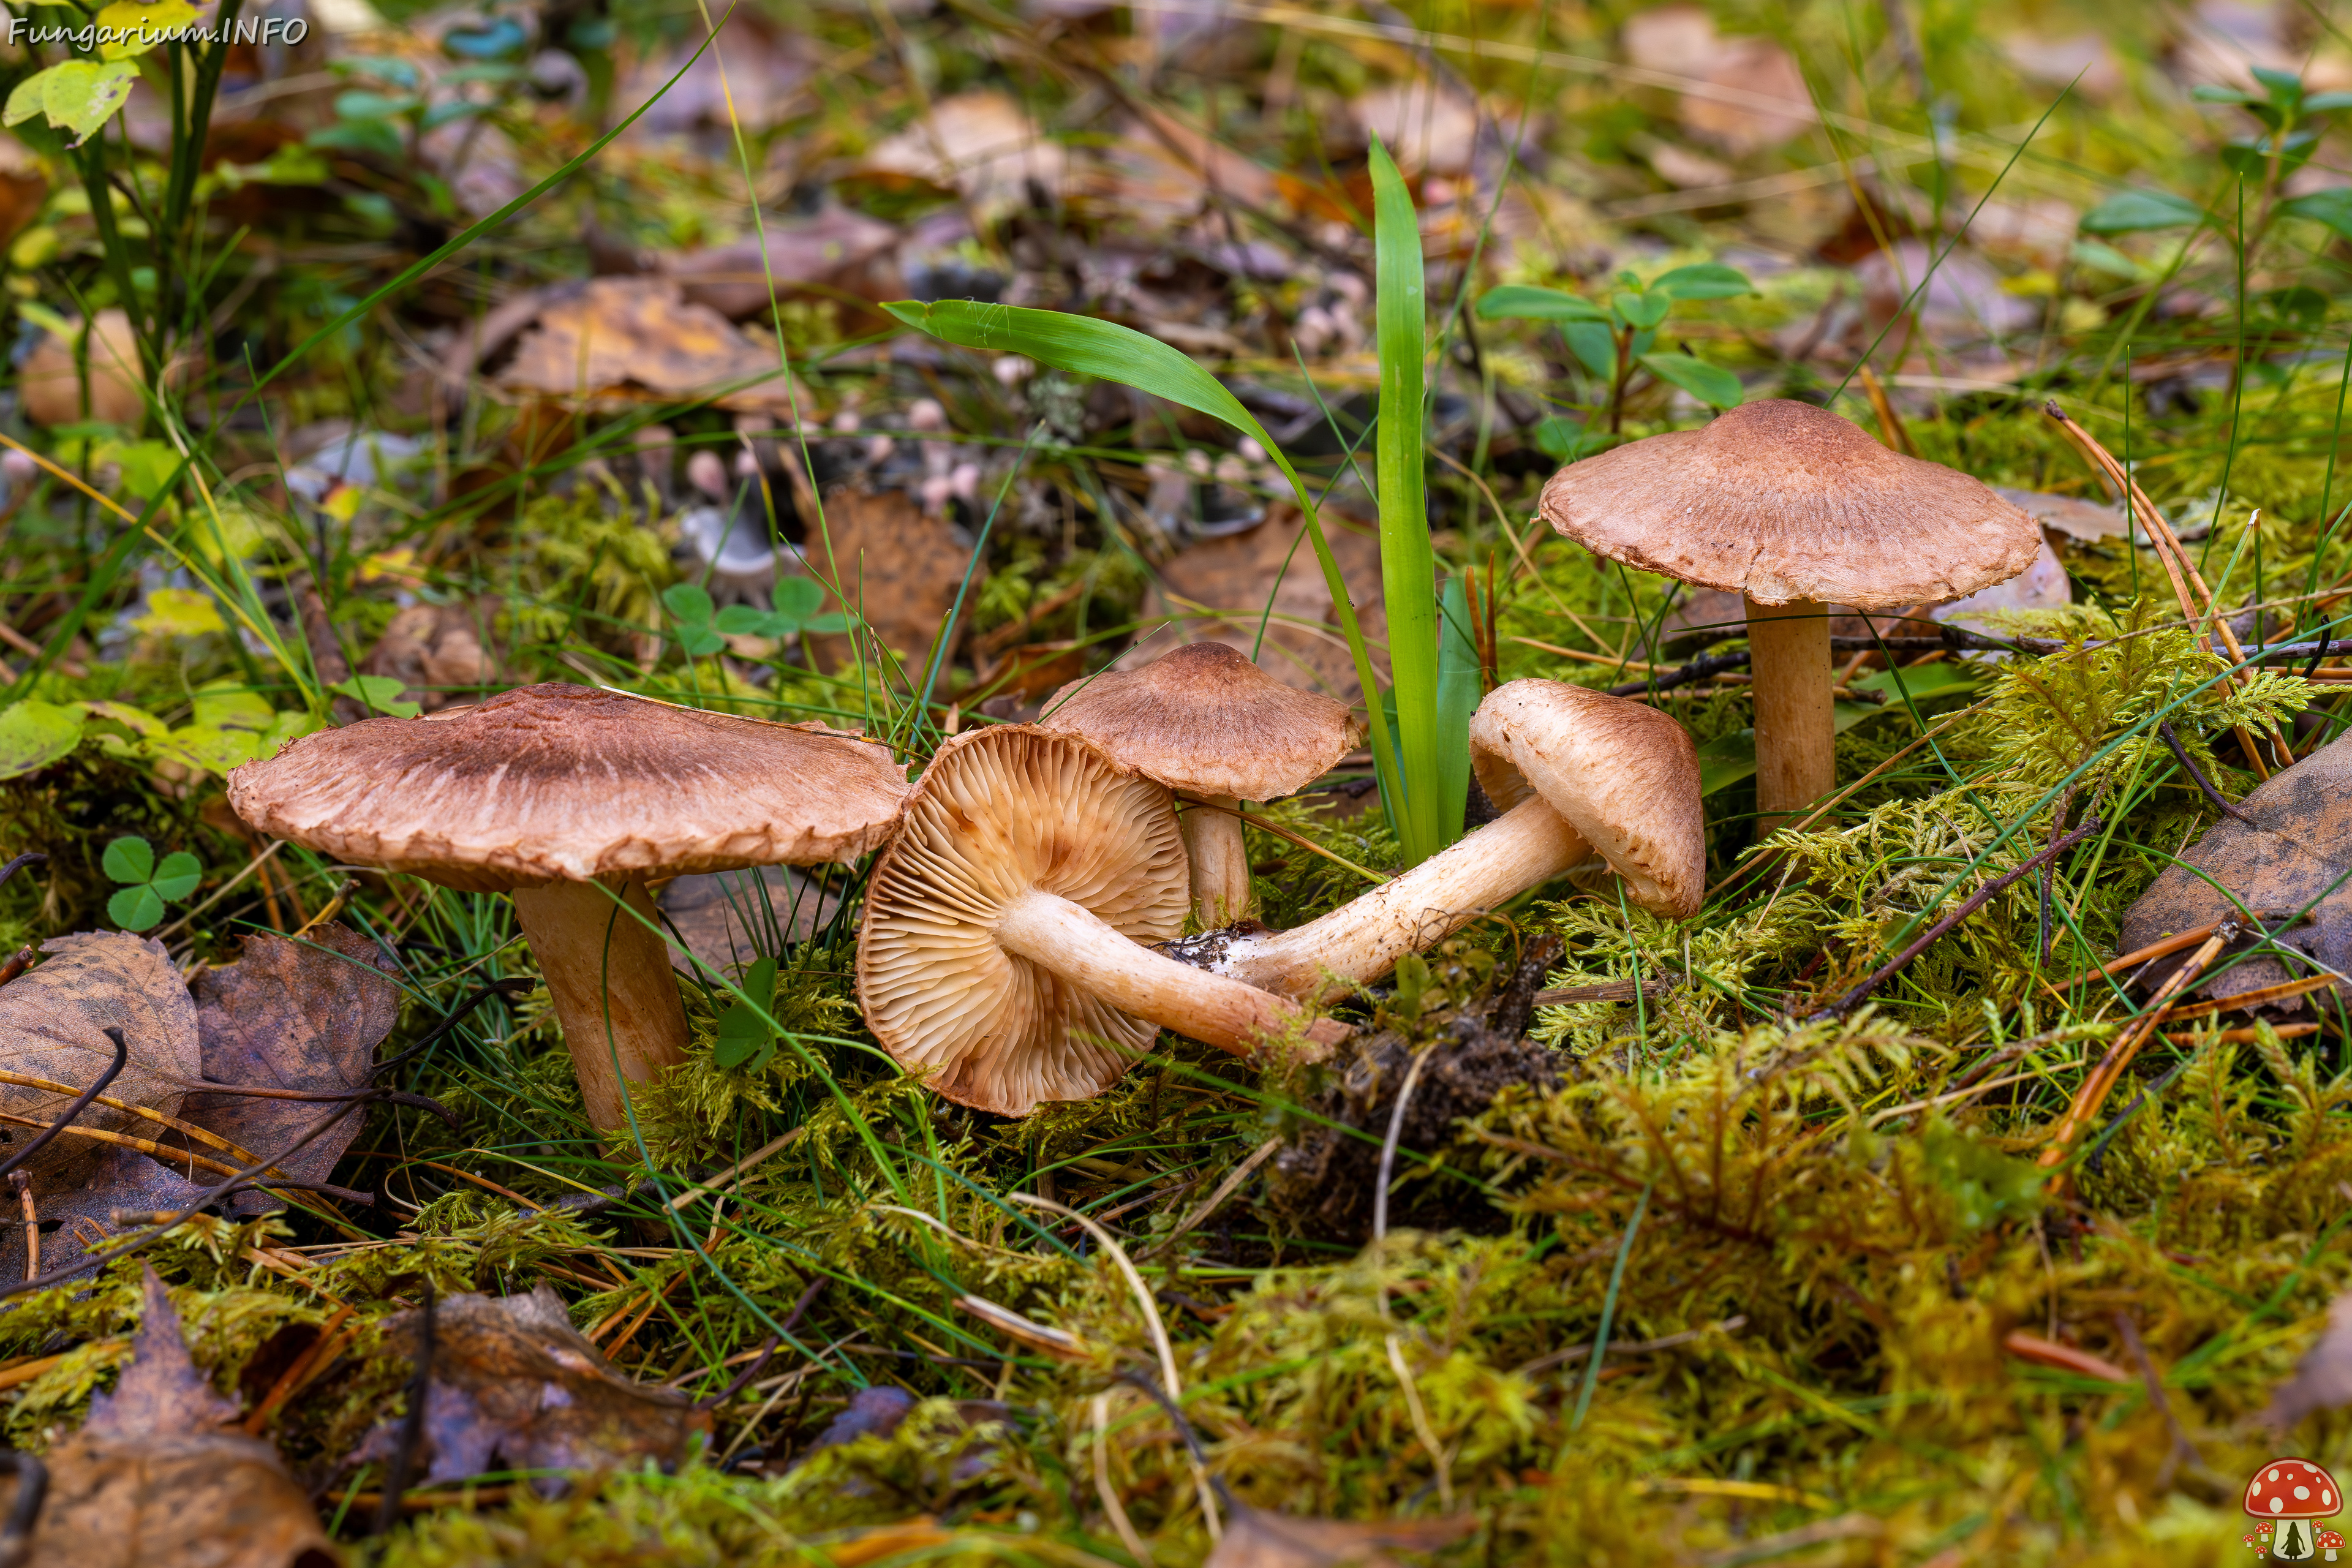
[[2292, 1494], [2330, 1543]]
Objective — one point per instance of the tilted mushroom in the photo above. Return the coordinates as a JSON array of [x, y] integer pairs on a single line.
[[1796, 508], [570, 797], [1578, 771], [1002, 942], [1206, 721]]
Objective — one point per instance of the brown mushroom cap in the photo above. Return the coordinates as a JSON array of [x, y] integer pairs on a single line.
[[999, 812], [557, 782], [1782, 501], [1206, 720], [1624, 776]]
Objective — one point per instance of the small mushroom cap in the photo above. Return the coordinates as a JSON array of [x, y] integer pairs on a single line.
[[557, 782], [1625, 776], [1781, 501], [2293, 1489], [1000, 812], [1206, 720]]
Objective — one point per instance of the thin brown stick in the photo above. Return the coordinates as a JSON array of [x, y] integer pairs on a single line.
[[23, 1185], [294, 1376], [2102, 1081]]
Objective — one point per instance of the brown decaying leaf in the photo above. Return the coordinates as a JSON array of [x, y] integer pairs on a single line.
[[2289, 856], [2323, 1379], [619, 333], [51, 1020], [80, 1219], [512, 1380], [291, 1014], [1257, 1539], [1229, 578], [150, 1481], [435, 651], [898, 567]]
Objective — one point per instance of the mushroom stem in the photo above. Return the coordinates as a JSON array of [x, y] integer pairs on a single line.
[[1525, 848], [594, 952], [1221, 873], [1796, 728], [1063, 938]]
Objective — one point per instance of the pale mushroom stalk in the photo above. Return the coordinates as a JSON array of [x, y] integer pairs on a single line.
[[1062, 937], [1212, 827], [1361, 940], [1796, 714], [1205, 721], [608, 975], [1577, 773]]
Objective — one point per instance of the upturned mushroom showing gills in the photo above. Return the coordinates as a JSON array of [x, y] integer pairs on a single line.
[[569, 798], [1002, 942], [1580, 772], [1206, 721], [1796, 508]]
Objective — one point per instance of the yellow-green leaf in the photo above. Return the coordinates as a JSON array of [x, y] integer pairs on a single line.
[[181, 613], [136, 28], [82, 95], [34, 734]]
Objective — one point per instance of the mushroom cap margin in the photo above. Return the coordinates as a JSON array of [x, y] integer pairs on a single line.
[[560, 783], [1624, 776], [1782, 501]]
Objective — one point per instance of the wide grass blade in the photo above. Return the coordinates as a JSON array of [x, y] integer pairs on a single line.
[[1084, 346], [1408, 563], [1458, 692]]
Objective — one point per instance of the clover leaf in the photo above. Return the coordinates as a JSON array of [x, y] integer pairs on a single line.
[[132, 859], [380, 692], [690, 607], [795, 602]]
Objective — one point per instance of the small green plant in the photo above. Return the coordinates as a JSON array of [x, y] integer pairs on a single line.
[[691, 608], [379, 693], [794, 602], [1614, 340], [745, 1040], [150, 887]]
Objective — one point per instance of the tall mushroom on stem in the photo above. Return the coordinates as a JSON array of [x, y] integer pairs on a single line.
[[1207, 722], [1004, 926], [1579, 773], [1795, 509], [569, 798]]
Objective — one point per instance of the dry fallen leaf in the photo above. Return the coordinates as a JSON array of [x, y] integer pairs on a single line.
[[80, 1219], [512, 1380], [2288, 857], [51, 1024], [835, 247], [151, 1482], [1257, 1539], [982, 146], [2323, 1379], [291, 1014], [435, 651], [2070, 515], [896, 567], [1216, 591], [622, 333], [1750, 95]]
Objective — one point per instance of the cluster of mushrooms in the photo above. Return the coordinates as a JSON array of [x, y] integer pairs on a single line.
[[1009, 946]]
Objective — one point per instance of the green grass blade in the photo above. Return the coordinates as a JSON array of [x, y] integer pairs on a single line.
[[1084, 346], [1458, 692], [1408, 564]]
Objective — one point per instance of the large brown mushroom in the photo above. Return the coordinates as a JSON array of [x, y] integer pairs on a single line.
[[1207, 722], [1002, 942], [570, 797], [1796, 510], [1581, 773]]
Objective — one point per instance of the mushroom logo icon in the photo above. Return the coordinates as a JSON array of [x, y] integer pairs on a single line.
[[2292, 1495]]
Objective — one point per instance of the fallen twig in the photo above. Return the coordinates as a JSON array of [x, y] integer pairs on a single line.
[[2102, 1081], [2196, 775], [1942, 928]]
